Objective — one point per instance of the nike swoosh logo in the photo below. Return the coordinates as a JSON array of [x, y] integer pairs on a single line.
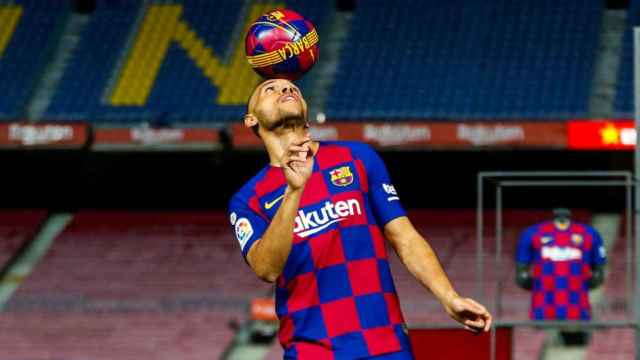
[[315, 230], [269, 204]]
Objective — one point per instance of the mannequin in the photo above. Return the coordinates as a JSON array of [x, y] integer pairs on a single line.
[[562, 221]]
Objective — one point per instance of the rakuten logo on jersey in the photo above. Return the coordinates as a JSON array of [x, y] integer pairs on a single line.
[[555, 253], [310, 222]]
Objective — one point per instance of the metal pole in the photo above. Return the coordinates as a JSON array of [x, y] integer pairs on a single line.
[[562, 183], [629, 245], [636, 98], [479, 245], [497, 303], [498, 259], [537, 174]]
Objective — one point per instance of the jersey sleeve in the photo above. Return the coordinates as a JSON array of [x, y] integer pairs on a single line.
[[247, 225], [524, 253], [598, 251], [383, 197]]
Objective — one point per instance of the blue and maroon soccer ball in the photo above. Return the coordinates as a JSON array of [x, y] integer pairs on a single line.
[[282, 44]]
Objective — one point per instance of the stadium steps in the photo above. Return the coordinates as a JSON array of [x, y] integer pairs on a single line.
[[23, 263], [607, 64], [334, 39], [122, 58], [10, 16], [54, 70]]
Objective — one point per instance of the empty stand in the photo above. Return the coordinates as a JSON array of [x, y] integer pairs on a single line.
[[108, 336], [467, 59], [156, 285], [166, 62], [16, 227], [28, 33], [528, 343], [152, 261], [86, 76], [623, 105], [611, 344]]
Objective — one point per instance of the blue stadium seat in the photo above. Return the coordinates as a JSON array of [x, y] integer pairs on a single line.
[[180, 92], [81, 89], [467, 59], [623, 105], [28, 48]]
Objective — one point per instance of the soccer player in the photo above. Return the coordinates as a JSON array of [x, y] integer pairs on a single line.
[[559, 261], [314, 221]]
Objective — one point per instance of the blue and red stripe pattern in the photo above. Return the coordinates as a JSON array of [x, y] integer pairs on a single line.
[[561, 267], [335, 297]]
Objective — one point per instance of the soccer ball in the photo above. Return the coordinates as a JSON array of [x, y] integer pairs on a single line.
[[282, 44]]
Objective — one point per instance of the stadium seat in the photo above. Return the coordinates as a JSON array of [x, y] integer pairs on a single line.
[[108, 335], [16, 227], [28, 33], [623, 105], [467, 59], [154, 285], [138, 258], [176, 62]]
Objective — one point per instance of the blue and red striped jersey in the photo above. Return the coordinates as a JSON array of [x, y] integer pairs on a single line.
[[561, 267], [336, 297]]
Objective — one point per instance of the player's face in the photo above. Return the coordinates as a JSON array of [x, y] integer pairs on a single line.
[[279, 105]]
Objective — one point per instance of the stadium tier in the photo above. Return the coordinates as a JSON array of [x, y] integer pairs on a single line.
[[178, 278], [108, 336], [150, 285], [28, 33], [81, 90], [468, 59], [164, 62], [611, 344], [146, 261], [624, 90], [183, 62]]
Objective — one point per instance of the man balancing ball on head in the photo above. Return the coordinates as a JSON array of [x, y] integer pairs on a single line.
[[314, 222]]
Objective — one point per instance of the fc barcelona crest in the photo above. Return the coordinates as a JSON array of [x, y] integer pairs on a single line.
[[342, 176], [577, 239]]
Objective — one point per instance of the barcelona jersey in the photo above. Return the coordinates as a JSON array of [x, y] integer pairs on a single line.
[[561, 267], [335, 297]]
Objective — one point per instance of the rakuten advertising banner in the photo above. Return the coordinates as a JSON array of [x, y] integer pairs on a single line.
[[433, 135], [43, 135]]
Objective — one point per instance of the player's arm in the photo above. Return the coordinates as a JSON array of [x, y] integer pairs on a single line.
[[414, 251], [268, 255], [421, 261]]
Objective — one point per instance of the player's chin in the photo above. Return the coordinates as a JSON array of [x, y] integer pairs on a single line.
[[290, 110]]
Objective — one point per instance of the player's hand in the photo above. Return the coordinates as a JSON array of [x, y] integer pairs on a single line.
[[297, 163], [469, 313]]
